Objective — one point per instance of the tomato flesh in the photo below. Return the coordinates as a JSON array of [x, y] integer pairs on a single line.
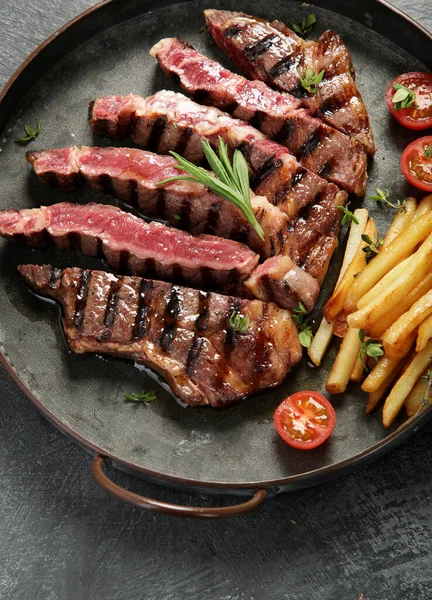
[[416, 166], [305, 420], [418, 116]]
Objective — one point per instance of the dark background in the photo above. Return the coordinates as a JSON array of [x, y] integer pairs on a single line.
[[366, 537]]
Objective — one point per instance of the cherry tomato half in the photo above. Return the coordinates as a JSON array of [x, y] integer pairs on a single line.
[[305, 420], [416, 163], [419, 115]]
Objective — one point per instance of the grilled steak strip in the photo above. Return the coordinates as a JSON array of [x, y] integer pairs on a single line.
[[182, 333], [274, 54], [309, 201], [130, 244], [132, 175], [319, 147]]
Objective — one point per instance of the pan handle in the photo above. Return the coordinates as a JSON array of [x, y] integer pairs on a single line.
[[196, 512]]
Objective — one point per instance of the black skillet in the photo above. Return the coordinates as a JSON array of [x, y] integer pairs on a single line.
[[236, 450]]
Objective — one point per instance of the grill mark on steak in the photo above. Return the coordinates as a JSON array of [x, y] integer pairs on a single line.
[[203, 311], [55, 276], [160, 202], [183, 141], [133, 192], [106, 184], [142, 322], [261, 350], [258, 119], [231, 334], [257, 49], [231, 31], [213, 215], [282, 67], [112, 303], [172, 311], [81, 298], [311, 143], [156, 133], [266, 169], [185, 213], [194, 352]]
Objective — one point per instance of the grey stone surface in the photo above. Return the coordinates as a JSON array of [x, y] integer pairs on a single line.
[[62, 538]]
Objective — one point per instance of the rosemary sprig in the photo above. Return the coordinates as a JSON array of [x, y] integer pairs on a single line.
[[428, 151], [372, 248], [383, 196], [31, 133], [303, 323], [403, 98], [238, 322], [371, 348], [144, 396], [310, 80], [348, 215], [305, 26], [230, 181]]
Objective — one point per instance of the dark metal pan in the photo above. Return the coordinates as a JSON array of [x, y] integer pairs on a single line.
[[236, 450]]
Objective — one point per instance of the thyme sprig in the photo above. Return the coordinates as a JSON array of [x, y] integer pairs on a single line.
[[144, 396], [310, 80], [348, 215], [305, 26], [372, 248], [303, 323], [403, 98], [238, 322], [31, 133], [369, 348], [383, 196]]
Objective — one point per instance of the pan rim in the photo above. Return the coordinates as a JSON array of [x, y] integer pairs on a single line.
[[299, 480]]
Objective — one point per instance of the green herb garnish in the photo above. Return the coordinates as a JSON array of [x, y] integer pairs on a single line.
[[310, 80], [369, 348], [426, 400], [303, 323], [383, 196], [305, 26], [372, 248], [403, 98], [31, 133], [230, 181], [428, 151], [144, 396], [238, 322], [348, 215]]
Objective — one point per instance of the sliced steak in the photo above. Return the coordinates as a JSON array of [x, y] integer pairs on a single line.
[[129, 244], [274, 54], [132, 175], [170, 121], [183, 334], [319, 147]]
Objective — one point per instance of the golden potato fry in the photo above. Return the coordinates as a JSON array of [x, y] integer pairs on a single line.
[[374, 399], [407, 324], [418, 267], [323, 336], [383, 283], [357, 373], [337, 299], [399, 249], [413, 400], [377, 329], [343, 365], [340, 326], [405, 384], [400, 222], [424, 334], [424, 206], [380, 374]]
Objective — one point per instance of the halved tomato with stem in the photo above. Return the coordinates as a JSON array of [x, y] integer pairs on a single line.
[[409, 97], [305, 420], [416, 163]]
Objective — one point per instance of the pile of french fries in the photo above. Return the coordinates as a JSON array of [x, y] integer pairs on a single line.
[[390, 301]]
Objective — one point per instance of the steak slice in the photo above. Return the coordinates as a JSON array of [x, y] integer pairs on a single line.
[[130, 244], [132, 175], [274, 54], [319, 147], [183, 334], [170, 121]]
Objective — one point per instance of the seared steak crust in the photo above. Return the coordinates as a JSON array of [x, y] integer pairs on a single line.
[[274, 54], [183, 334], [317, 146], [133, 176], [170, 121]]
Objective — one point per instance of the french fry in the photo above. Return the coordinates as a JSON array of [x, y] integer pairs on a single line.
[[424, 333], [407, 324], [424, 206], [405, 384], [380, 374], [383, 283], [343, 365], [400, 222], [374, 399], [357, 373], [336, 301], [340, 326], [399, 249], [413, 400], [323, 336], [377, 329], [417, 269]]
